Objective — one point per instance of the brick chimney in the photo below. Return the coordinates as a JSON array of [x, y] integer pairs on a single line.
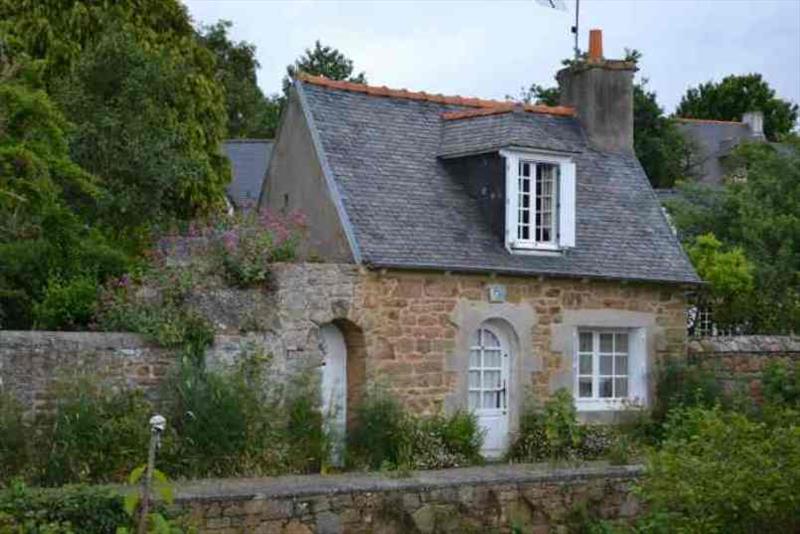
[[601, 91], [755, 121]]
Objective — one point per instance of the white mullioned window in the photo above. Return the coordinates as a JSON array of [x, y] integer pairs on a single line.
[[540, 201], [609, 368]]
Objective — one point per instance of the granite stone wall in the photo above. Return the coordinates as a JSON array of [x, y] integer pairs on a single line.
[[739, 362], [407, 330], [526, 498]]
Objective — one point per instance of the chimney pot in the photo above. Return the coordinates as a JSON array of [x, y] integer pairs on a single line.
[[595, 45]]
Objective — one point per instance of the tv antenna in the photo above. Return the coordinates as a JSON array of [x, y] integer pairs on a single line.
[[561, 5]]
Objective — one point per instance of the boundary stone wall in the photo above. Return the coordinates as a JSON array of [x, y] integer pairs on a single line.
[[529, 498], [738, 361]]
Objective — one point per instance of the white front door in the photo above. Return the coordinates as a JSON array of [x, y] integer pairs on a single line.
[[488, 388], [334, 389]]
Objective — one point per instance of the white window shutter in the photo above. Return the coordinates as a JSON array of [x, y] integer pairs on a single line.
[[512, 168], [638, 362], [566, 191]]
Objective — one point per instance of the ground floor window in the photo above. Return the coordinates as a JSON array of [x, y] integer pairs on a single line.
[[608, 364]]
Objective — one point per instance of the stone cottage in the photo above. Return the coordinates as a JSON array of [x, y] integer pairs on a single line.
[[498, 250]]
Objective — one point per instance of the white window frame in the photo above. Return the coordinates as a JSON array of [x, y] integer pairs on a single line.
[[563, 216], [636, 372]]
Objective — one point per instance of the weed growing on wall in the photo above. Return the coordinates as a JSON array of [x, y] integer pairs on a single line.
[[14, 438]]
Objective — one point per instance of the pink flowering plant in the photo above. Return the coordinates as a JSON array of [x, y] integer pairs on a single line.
[[247, 245]]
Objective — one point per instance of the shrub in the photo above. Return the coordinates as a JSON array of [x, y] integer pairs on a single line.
[[250, 242], [781, 384], [66, 510], [14, 438], [96, 434], [66, 304], [386, 436], [719, 471], [552, 432]]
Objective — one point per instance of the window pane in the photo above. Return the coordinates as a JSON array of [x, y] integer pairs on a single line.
[[606, 388], [474, 379], [491, 358], [621, 343], [584, 387], [491, 379], [621, 365], [585, 344], [490, 340], [474, 400], [474, 358], [585, 364], [525, 169], [606, 363], [491, 399], [620, 387], [606, 342]]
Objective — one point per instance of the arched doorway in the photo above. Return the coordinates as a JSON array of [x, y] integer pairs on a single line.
[[488, 380], [342, 385]]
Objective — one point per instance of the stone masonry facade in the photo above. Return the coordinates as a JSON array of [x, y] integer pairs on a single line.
[[405, 330], [500, 499]]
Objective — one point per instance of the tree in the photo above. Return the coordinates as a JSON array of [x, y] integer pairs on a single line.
[[760, 216], [323, 61], [735, 95], [63, 34], [138, 130], [250, 113], [47, 237], [538, 94]]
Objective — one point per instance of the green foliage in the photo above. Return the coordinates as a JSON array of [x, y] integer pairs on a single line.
[[552, 432], [719, 471], [323, 61], [96, 435], [66, 304], [781, 385], [46, 206], [730, 278], [14, 439], [386, 436], [540, 95], [251, 241], [66, 510], [735, 95], [250, 113], [660, 147], [759, 216], [139, 128]]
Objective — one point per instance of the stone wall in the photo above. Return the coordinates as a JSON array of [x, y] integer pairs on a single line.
[[739, 361], [31, 363], [532, 499], [407, 330]]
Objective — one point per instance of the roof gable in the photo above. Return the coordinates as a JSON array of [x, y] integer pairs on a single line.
[[249, 160], [408, 211]]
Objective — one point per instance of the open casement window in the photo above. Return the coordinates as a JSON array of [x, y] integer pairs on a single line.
[[540, 202], [610, 369]]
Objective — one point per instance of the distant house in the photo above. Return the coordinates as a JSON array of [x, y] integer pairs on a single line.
[[249, 161], [712, 141], [503, 249]]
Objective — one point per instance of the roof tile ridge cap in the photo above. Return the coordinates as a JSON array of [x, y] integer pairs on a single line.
[[710, 121], [565, 111]]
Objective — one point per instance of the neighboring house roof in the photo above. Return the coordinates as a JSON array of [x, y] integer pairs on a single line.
[[712, 141], [249, 160], [381, 149]]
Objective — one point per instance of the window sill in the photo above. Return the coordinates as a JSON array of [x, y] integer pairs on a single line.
[[608, 405], [536, 251]]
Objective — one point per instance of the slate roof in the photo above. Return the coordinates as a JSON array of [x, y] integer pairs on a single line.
[[249, 160], [482, 133], [713, 140], [404, 210]]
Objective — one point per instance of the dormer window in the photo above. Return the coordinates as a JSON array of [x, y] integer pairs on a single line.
[[540, 202]]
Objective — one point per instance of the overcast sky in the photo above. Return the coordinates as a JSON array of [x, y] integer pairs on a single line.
[[492, 48]]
